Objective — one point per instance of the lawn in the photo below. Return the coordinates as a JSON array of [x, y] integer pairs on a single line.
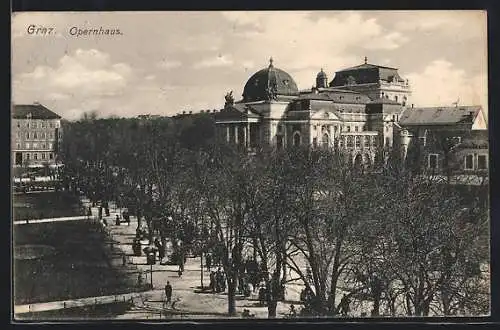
[[72, 263], [48, 204]]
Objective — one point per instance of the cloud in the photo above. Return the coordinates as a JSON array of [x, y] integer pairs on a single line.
[[441, 83], [86, 72], [301, 44], [218, 61], [389, 41], [167, 64]]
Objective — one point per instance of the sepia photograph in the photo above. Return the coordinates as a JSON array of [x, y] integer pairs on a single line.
[[213, 165]]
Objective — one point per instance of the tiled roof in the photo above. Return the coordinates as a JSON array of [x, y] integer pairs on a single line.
[[364, 74], [37, 111], [236, 111], [337, 96], [439, 115], [366, 66]]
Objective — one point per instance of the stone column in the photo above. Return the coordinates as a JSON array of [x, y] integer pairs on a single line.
[[245, 135], [236, 134], [227, 133]]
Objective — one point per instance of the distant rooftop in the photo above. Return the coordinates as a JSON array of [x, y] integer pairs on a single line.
[[33, 111], [439, 115]]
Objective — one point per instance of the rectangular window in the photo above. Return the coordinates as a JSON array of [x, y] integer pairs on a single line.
[[348, 128], [18, 145], [481, 162], [18, 124], [350, 142], [27, 156], [355, 128], [35, 136], [27, 135], [27, 145], [51, 156], [374, 141], [50, 146], [341, 142], [367, 141], [51, 125], [357, 140], [469, 162], [43, 155], [433, 161], [42, 124]]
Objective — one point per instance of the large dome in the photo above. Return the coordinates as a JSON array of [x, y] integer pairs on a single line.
[[268, 83]]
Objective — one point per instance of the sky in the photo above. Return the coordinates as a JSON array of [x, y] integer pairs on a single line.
[[168, 62]]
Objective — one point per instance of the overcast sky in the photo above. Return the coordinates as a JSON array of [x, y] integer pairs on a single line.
[[168, 62]]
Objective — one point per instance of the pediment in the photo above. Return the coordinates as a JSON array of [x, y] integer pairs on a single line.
[[326, 115]]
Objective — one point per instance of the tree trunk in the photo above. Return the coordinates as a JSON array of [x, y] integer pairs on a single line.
[[231, 296], [271, 308], [376, 306]]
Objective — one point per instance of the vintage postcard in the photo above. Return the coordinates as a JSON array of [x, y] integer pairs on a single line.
[[250, 164]]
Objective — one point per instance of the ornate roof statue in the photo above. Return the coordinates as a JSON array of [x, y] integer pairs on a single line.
[[229, 99]]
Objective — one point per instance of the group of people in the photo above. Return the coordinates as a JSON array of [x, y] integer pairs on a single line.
[[218, 281]]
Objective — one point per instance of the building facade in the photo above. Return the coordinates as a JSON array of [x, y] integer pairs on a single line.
[[36, 135], [363, 109]]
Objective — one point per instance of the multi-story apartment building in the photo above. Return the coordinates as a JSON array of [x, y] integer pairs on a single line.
[[36, 135]]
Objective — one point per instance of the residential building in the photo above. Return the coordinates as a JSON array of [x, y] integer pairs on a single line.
[[36, 135]]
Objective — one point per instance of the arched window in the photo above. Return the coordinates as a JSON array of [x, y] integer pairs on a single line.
[[325, 140], [296, 139]]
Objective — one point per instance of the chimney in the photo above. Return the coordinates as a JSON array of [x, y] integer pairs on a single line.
[[412, 105], [36, 103], [190, 112], [183, 112]]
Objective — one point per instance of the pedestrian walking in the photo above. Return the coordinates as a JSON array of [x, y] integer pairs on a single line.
[[168, 293], [208, 261], [218, 280], [344, 305], [117, 221], [212, 282]]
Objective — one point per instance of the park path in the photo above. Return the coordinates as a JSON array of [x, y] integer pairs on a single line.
[[190, 302], [34, 221], [62, 304]]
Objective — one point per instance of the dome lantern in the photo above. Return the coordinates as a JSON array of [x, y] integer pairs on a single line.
[[321, 79]]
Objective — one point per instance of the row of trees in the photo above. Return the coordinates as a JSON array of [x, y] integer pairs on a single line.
[[401, 241]]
